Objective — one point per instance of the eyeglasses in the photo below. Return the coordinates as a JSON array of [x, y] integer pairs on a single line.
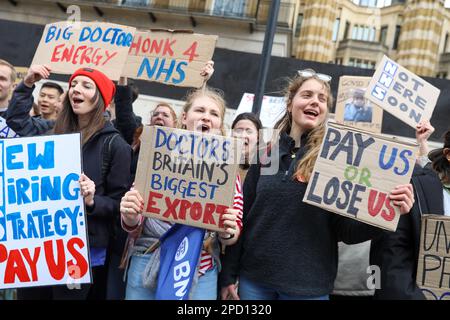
[[308, 73]]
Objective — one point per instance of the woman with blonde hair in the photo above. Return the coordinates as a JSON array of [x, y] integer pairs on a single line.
[[204, 112], [288, 249]]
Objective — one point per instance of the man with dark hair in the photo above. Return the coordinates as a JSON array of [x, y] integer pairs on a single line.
[[8, 77], [48, 100]]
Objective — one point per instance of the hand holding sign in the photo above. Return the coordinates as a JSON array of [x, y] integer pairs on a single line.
[[36, 73], [232, 230], [207, 70], [131, 206], [87, 187], [403, 197]]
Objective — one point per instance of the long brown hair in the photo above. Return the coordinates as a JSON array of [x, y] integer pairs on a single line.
[[315, 136], [67, 121]]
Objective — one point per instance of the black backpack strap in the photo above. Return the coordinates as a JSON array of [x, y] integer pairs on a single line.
[[107, 156]]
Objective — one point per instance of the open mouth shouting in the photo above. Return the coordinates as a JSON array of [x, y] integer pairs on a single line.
[[77, 101], [311, 113], [204, 128]]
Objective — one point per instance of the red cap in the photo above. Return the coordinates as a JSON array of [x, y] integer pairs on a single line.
[[104, 84]]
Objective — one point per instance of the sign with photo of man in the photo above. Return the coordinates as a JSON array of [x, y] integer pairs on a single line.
[[353, 109]]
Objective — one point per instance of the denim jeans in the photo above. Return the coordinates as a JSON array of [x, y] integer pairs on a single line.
[[206, 288], [250, 290]]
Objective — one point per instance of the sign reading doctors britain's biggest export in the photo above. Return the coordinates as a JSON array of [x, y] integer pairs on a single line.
[[355, 172], [402, 93], [68, 47], [42, 218], [170, 57], [187, 177]]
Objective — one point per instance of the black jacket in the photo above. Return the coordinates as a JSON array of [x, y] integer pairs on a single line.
[[125, 120], [18, 115], [397, 252], [286, 244], [100, 217]]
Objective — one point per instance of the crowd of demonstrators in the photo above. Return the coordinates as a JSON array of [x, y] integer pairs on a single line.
[[275, 246], [288, 249], [90, 92]]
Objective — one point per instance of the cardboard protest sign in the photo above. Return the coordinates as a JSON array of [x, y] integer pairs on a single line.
[[169, 57], [103, 46], [353, 109], [402, 93], [433, 267], [5, 131], [42, 217], [187, 177], [272, 108], [355, 172]]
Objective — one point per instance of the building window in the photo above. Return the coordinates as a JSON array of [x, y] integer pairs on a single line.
[[442, 75], [383, 34], [235, 8], [398, 29], [361, 63], [336, 29], [299, 25]]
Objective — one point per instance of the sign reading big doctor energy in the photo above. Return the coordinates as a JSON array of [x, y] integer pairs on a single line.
[[42, 218], [402, 93], [68, 47], [355, 172], [187, 177]]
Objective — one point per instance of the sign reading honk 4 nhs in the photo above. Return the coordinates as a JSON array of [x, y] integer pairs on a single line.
[[356, 170], [402, 93]]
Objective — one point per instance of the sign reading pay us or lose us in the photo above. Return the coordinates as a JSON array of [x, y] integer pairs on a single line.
[[169, 57], [42, 221], [355, 172], [187, 177], [102, 46], [401, 93]]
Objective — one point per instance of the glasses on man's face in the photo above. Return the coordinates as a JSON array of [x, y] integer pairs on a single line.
[[308, 73]]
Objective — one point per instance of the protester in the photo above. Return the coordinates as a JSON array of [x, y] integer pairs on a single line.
[[48, 100], [204, 111], [106, 166], [288, 249], [247, 126], [398, 253], [8, 77]]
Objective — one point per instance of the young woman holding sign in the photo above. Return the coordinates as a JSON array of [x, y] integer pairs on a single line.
[[288, 249], [204, 111], [102, 184]]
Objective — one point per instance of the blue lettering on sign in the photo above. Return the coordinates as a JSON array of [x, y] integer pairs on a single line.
[[174, 72], [385, 80], [41, 223], [378, 93], [390, 68], [21, 191]]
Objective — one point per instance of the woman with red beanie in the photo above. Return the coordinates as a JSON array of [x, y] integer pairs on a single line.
[[106, 166]]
